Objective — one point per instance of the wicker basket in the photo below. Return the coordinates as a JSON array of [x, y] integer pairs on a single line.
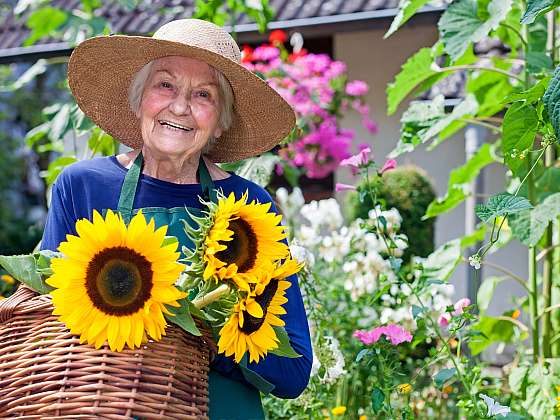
[[45, 373]]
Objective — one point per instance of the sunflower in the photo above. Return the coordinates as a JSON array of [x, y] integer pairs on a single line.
[[241, 239], [250, 327], [114, 281]]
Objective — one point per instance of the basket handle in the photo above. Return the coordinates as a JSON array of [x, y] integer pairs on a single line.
[[7, 306]]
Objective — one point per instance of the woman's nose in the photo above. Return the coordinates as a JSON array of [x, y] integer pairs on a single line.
[[180, 105]]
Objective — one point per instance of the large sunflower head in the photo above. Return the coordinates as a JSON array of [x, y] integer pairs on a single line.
[[250, 326], [242, 237], [114, 282]]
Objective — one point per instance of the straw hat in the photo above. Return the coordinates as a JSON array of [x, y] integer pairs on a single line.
[[101, 69]]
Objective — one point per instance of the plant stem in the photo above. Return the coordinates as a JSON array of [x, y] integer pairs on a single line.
[[211, 297], [482, 124], [508, 273], [516, 32], [475, 67], [533, 302], [548, 331]]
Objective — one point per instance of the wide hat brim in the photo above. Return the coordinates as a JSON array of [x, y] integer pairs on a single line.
[[101, 69]]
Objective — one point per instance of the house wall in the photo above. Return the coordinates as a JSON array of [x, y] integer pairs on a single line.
[[377, 61]]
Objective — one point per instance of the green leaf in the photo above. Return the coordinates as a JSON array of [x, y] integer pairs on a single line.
[[60, 123], [36, 69], [518, 379], [443, 376], [441, 263], [489, 89], [363, 353], [416, 70], [537, 8], [460, 25], [284, 349], [56, 167], [377, 398], [500, 205], [258, 169], [542, 378], [44, 22], [486, 291], [551, 101], [407, 9], [417, 311], [491, 330], [538, 61], [477, 236], [531, 95], [24, 269], [459, 180], [519, 131], [548, 183], [101, 142], [183, 317], [529, 226]]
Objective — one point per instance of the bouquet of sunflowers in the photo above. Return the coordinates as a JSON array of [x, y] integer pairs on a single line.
[[121, 285]]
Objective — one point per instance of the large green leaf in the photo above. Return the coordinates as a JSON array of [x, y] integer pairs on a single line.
[[443, 376], [56, 167], [284, 348], [492, 330], [377, 398], [183, 317], [24, 269], [529, 226], [424, 120], [441, 263], [542, 378], [500, 205], [537, 8], [461, 24], [44, 22], [407, 9], [489, 89], [531, 95], [519, 130], [416, 70], [486, 291], [552, 101], [459, 179], [548, 183]]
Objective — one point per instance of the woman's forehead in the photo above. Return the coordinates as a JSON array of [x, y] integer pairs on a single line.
[[184, 67]]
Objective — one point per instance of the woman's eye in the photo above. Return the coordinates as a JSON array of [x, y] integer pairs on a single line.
[[203, 94], [166, 85]]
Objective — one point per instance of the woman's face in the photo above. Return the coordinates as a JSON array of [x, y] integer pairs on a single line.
[[179, 110]]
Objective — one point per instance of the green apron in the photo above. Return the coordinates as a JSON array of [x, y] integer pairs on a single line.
[[229, 399]]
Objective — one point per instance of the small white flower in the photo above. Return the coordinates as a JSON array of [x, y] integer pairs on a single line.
[[494, 408], [254, 4], [474, 261]]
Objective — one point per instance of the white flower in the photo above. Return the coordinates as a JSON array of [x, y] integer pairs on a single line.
[[335, 368], [316, 364], [254, 4], [302, 254], [494, 408], [474, 261]]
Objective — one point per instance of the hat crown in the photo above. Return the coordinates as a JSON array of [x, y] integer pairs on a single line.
[[201, 34]]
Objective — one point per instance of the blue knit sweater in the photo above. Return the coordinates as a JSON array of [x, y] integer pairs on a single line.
[[96, 183]]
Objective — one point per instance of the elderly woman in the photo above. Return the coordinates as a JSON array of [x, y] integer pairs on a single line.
[[183, 103]]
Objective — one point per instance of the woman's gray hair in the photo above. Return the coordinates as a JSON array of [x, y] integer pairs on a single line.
[[225, 92]]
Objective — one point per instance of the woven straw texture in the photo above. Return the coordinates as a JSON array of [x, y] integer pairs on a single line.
[[45, 373], [101, 70]]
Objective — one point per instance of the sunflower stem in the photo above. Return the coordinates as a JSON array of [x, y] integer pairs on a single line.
[[211, 297]]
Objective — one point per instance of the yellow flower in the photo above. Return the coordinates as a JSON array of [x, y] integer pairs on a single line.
[[339, 410], [448, 389], [114, 281], [2, 297], [250, 327], [7, 279], [516, 314], [404, 388], [242, 237], [362, 417]]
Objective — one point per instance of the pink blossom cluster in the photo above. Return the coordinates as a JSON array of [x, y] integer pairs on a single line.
[[394, 333], [316, 87], [459, 308]]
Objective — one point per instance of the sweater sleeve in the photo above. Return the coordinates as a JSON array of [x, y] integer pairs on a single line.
[[289, 375]]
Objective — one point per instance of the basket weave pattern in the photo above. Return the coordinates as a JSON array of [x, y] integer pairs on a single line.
[[46, 373]]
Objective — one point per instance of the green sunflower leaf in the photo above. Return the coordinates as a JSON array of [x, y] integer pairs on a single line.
[[24, 269], [284, 349], [183, 317]]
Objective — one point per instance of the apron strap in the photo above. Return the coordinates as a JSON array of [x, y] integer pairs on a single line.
[[130, 185]]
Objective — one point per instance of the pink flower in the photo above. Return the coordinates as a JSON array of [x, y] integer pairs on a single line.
[[357, 88], [444, 319], [460, 306], [389, 165], [358, 159], [369, 125], [394, 333], [344, 187]]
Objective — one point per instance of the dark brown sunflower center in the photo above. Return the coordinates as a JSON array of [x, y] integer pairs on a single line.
[[119, 281], [251, 323], [242, 249]]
